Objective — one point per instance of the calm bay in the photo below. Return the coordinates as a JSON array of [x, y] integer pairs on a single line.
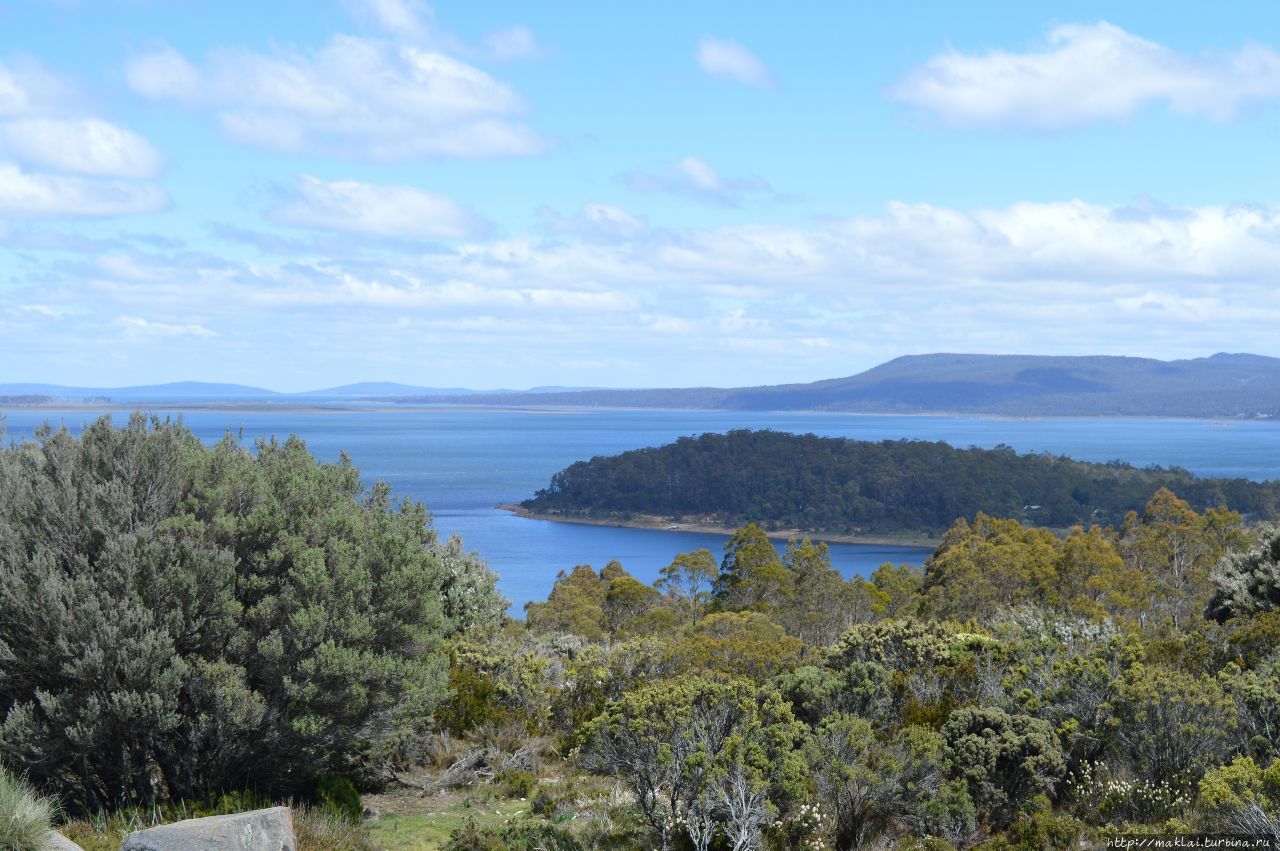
[[463, 462]]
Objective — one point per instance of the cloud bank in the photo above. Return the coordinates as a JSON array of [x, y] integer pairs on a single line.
[[1086, 73]]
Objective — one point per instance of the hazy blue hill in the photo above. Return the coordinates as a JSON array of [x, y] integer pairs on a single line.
[[1224, 385], [386, 388], [174, 391]]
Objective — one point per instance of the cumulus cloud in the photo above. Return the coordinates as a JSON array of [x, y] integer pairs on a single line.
[[28, 195], [84, 145], [1086, 73], [394, 211], [45, 128], [355, 96], [1070, 276], [726, 59], [697, 179], [164, 74], [138, 328]]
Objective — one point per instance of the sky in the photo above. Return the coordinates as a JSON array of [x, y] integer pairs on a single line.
[[298, 195]]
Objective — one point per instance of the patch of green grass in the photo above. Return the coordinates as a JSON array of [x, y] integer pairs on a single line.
[[430, 831]]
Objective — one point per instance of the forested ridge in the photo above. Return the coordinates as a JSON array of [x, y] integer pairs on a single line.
[[189, 629], [837, 485]]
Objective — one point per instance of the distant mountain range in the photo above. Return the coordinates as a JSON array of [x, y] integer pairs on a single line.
[[1237, 386], [188, 391], [1222, 386]]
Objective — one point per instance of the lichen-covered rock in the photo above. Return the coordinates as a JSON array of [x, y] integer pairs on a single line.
[[260, 830], [58, 842]]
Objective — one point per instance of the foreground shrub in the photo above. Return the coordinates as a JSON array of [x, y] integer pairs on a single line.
[[338, 796], [25, 816], [183, 619], [517, 837]]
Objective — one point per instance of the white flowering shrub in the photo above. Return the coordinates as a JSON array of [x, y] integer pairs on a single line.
[[1103, 798]]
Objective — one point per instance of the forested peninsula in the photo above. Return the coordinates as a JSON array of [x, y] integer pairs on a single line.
[[850, 487]]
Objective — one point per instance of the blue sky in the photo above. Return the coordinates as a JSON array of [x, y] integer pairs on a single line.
[[299, 195]]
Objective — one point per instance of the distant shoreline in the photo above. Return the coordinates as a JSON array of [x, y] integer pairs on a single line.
[[305, 408], [671, 524]]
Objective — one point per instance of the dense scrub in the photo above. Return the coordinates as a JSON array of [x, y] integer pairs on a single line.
[[838, 485], [178, 620], [185, 623], [1023, 690]]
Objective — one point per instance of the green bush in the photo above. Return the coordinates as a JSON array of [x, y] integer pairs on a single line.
[[338, 795], [514, 783], [201, 615], [25, 816], [517, 837]]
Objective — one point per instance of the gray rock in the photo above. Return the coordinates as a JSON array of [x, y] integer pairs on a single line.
[[58, 842], [260, 830]]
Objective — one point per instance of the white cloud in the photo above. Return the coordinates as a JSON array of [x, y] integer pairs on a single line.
[[513, 43], [138, 328], [405, 18], [1087, 73], [44, 126], [26, 89], [596, 222], [86, 146], [697, 179], [728, 60], [27, 195], [355, 96], [395, 211], [164, 74], [796, 301]]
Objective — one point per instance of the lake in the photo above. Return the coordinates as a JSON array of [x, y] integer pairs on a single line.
[[463, 462]]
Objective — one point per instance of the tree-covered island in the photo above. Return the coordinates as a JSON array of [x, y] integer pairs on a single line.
[[851, 487]]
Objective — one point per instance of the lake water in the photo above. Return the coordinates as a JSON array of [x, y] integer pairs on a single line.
[[463, 462]]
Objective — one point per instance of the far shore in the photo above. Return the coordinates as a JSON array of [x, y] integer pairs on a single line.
[[379, 406], [567, 410], [672, 524]]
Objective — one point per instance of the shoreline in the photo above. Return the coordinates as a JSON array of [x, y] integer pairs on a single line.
[[383, 406], [671, 524]]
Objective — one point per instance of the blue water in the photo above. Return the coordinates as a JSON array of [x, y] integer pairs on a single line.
[[462, 463]]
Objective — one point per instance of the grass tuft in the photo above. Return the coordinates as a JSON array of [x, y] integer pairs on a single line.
[[25, 815]]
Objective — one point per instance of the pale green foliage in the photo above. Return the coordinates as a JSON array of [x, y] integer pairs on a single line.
[[751, 574], [702, 757], [1248, 581], [25, 816], [899, 645], [1172, 725], [180, 619], [688, 581], [872, 786], [468, 589]]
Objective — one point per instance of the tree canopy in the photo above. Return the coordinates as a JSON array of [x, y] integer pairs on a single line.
[[837, 485]]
